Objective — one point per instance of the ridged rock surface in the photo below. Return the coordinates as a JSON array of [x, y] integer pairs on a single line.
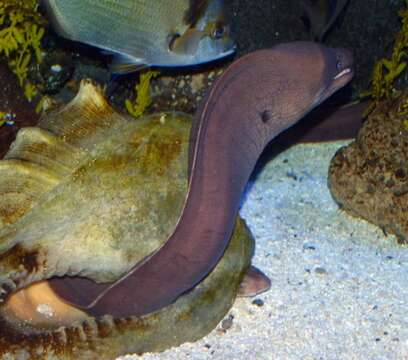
[[369, 177]]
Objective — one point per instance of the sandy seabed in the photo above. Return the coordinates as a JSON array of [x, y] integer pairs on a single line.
[[339, 285]]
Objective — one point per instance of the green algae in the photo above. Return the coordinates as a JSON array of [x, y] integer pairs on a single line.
[[21, 32]]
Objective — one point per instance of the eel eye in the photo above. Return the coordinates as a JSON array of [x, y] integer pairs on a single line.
[[339, 64]]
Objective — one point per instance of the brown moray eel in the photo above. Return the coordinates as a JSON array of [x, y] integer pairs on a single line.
[[257, 97], [326, 123]]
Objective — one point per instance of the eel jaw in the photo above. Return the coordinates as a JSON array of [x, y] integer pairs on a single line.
[[336, 83], [344, 72]]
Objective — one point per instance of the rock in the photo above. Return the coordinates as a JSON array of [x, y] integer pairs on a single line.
[[369, 177]]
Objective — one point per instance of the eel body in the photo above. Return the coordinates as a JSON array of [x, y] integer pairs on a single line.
[[258, 96], [326, 123]]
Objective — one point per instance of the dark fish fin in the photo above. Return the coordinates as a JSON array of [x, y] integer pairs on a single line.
[[123, 64], [318, 14], [194, 11], [337, 10], [322, 14]]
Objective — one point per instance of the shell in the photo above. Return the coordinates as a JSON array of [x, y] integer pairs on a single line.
[[91, 192]]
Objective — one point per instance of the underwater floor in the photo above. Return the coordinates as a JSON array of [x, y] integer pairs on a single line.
[[339, 285]]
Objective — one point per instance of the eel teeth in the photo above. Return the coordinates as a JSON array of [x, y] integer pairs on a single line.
[[344, 72]]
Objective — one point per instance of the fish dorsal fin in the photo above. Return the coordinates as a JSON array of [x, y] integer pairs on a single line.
[[194, 11], [322, 15], [85, 120]]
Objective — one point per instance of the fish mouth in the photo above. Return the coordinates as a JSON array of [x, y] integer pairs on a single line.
[[226, 53], [198, 59], [210, 50]]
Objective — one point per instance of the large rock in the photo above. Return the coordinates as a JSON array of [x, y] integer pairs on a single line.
[[369, 177]]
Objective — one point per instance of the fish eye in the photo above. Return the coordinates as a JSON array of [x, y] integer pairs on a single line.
[[218, 32]]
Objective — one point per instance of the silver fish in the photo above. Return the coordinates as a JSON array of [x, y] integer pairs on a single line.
[[146, 32]]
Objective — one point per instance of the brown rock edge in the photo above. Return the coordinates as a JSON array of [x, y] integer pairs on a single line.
[[369, 177]]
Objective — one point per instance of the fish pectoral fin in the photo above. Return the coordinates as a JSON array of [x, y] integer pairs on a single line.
[[123, 64]]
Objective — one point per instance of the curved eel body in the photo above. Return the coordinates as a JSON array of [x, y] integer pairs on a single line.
[[258, 96]]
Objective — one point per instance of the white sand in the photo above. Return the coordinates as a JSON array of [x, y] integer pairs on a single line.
[[339, 286]]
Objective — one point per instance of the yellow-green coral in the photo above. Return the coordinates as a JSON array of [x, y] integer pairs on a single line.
[[403, 112], [386, 71], [21, 31], [137, 107]]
